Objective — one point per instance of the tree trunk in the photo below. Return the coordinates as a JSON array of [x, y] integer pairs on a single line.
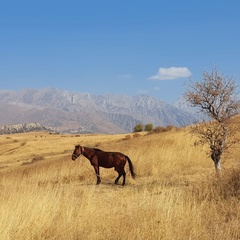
[[216, 152], [217, 166]]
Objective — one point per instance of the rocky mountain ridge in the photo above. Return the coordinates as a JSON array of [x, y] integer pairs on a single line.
[[22, 128], [83, 112]]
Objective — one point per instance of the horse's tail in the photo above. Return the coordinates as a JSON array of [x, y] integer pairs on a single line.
[[133, 174]]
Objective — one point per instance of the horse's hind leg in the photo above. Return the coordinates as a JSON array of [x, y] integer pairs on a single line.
[[124, 177], [116, 180]]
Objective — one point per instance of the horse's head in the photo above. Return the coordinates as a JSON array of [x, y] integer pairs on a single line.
[[77, 152]]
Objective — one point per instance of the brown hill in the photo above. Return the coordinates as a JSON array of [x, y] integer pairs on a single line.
[[45, 195]]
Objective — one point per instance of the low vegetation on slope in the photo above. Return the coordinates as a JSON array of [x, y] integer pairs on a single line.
[[45, 195]]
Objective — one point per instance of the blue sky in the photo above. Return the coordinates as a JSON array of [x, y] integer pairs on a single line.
[[122, 47]]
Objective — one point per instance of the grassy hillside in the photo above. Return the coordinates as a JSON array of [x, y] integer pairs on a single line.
[[176, 195]]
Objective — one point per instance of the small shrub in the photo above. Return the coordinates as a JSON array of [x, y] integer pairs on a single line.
[[37, 158], [138, 128], [148, 127], [159, 129], [171, 128], [164, 129], [23, 144], [127, 137], [135, 135], [98, 144]]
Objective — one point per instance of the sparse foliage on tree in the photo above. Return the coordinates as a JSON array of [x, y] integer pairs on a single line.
[[216, 96]]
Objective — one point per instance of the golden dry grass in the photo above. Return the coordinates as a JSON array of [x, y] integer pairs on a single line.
[[45, 195]]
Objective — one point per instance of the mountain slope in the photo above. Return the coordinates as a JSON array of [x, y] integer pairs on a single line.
[[83, 112]]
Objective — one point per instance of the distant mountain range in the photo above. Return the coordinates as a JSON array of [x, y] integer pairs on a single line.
[[72, 112], [24, 127]]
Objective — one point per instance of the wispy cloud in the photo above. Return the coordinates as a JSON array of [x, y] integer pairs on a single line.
[[171, 73]]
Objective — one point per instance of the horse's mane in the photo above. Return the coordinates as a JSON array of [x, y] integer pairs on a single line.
[[97, 149]]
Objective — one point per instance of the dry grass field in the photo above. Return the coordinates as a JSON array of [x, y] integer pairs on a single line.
[[176, 195]]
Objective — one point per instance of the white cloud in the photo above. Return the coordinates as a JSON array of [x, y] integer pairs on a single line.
[[171, 73]]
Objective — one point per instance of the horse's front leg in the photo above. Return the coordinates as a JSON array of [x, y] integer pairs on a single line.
[[96, 168]]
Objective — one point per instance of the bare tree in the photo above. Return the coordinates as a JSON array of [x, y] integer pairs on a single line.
[[215, 96]]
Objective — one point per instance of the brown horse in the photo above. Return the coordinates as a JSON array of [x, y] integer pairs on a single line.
[[99, 158]]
